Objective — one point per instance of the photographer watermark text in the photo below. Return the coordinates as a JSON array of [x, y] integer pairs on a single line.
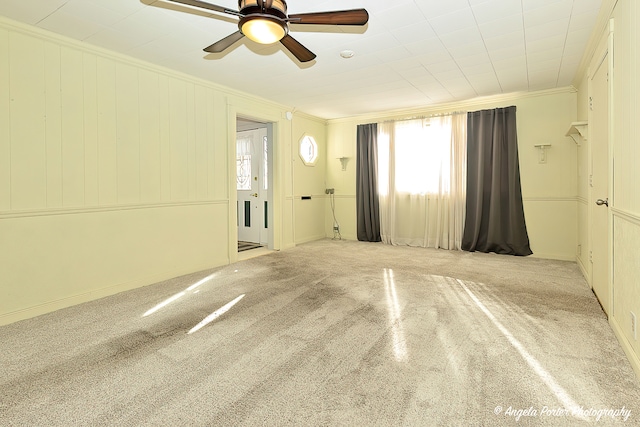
[[551, 412]]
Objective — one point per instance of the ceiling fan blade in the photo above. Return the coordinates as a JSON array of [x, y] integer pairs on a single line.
[[338, 17], [225, 43], [208, 6], [299, 51]]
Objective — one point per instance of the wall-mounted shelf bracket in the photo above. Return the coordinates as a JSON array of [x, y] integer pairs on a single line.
[[343, 162], [579, 132], [542, 155]]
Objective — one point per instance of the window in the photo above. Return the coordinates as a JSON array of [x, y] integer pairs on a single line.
[[243, 163], [421, 151], [422, 181], [265, 176], [308, 150]]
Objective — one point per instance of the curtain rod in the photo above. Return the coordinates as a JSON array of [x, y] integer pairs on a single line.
[[430, 116]]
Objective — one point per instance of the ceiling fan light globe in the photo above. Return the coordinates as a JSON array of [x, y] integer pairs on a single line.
[[263, 31]]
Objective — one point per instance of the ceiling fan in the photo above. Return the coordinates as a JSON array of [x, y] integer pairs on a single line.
[[267, 22]]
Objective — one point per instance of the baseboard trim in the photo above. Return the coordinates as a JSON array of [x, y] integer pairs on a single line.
[[583, 269], [556, 257], [632, 356], [51, 306], [344, 236], [309, 239]]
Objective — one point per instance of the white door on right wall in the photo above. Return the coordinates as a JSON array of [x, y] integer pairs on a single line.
[[599, 140]]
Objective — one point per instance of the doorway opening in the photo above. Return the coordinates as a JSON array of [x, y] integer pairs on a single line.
[[254, 184]]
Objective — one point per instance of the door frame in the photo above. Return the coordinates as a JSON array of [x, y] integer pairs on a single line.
[[275, 122], [264, 234], [604, 53]]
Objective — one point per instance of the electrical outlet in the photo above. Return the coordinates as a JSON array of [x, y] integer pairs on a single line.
[[634, 330]]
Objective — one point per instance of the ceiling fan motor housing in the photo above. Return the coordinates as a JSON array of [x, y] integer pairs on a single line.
[[270, 7], [263, 21]]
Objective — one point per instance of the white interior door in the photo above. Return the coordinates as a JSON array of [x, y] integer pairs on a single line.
[[250, 162], [599, 139]]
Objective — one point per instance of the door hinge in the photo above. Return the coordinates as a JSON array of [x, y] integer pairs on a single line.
[[591, 180], [591, 103], [591, 256]]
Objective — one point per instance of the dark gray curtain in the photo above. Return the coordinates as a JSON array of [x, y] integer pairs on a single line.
[[368, 211], [495, 215]]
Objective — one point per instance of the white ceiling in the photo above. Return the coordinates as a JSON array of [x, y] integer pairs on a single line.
[[412, 53]]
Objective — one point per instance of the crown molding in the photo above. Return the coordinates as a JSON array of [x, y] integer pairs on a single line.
[[455, 106]]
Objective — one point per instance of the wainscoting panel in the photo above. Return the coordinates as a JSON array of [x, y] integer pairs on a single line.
[[83, 129], [73, 115], [626, 271], [551, 224], [5, 121], [28, 122], [63, 258], [583, 248], [310, 218], [150, 141]]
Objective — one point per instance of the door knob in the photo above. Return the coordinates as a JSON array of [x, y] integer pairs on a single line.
[[601, 202]]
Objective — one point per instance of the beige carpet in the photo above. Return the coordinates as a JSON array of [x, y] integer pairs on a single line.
[[329, 333]]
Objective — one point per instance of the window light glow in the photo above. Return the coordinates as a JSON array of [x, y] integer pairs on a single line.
[[393, 308], [213, 316], [164, 304], [179, 295], [562, 395], [418, 153], [201, 282]]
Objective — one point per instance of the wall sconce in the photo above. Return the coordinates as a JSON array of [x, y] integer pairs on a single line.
[[542, 155], [343, 162]]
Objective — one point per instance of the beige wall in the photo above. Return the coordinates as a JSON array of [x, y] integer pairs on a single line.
[[624, 197], [115, 173], [341, 137], [549, 190], [309, 180], [625, 207]]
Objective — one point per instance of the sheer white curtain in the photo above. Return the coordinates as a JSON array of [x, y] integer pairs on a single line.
[[422, 181]]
